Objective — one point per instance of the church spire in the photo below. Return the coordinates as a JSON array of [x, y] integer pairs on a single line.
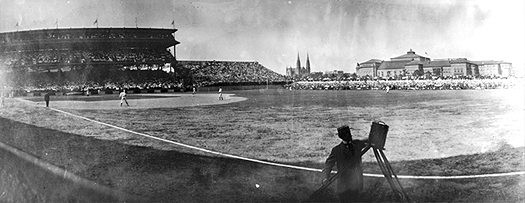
[[307, 63], [298, 62]]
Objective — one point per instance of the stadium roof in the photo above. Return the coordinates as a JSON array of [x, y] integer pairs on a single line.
[[128, 29], [87, 37]]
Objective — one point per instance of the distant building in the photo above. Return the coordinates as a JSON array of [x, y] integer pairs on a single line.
[[369, 68], [396, 65], [410, 56], [494, 68], [298, 71], [411, 64]]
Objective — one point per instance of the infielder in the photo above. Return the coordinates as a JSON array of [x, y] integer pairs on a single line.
[[220, 94], [123, 97]]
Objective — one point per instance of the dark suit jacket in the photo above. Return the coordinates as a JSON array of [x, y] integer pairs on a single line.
[[352, 178]]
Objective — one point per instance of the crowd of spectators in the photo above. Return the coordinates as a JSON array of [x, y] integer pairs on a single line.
[[214, 72], [85, 56], [448, 84], [202, 73], [89, 79], [206, 73]]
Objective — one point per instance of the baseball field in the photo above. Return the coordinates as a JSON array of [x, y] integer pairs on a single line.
[[171, 147]]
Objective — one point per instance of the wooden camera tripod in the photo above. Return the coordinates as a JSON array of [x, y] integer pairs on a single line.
[[376, 140]]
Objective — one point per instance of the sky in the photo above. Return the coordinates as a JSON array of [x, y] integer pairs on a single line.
[[336, 34]]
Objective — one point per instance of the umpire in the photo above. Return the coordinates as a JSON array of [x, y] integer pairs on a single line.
[[350, 181]]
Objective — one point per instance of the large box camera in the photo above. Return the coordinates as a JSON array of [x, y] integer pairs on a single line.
[[377, 136]]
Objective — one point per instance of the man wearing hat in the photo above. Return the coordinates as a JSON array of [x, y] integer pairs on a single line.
[[46, 98], [350, 181]]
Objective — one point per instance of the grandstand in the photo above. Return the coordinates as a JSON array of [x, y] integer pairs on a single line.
[[207, 73], [82, 59], [79, 56], [50, 49]]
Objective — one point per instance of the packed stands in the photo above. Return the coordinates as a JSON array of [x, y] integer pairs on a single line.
[[93, 79], [78, 57], [112, 58], [206, 73], [447, 84], [87, 58]]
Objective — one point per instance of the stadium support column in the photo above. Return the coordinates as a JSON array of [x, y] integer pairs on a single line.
[[175, 53], [172, 51], [173, 66], [173, 48]]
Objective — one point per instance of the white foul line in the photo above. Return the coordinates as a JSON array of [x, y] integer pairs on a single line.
[[285, 165], [451, 177]]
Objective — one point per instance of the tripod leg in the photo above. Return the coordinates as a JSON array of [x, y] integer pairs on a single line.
[[389, 167], [385, 171], [381, 163]]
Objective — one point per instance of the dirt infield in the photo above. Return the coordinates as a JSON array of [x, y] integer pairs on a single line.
[[137, 101]]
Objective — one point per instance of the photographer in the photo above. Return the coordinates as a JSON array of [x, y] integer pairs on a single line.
[[350, 181]]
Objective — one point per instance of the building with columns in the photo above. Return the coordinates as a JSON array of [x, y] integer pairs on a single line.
[[494, 68], [411, 64], [369, 67]]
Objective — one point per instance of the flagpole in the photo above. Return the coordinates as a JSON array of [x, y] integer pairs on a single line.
[[96, 22]]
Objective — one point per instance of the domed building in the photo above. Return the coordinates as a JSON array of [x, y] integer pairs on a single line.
[[412, 64]]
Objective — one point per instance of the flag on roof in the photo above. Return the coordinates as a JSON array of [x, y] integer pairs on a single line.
[[171, 50]]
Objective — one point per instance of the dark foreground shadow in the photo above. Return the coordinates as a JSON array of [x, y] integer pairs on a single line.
[[172, 176]]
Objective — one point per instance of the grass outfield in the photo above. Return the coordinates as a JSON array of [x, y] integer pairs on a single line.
[[300, 126], [431, 133]]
